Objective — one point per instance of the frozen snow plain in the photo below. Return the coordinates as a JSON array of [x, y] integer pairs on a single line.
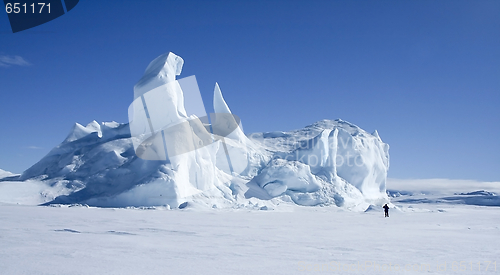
[[418, 238]]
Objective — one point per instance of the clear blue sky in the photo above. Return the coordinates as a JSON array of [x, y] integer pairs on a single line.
[[425, 74]]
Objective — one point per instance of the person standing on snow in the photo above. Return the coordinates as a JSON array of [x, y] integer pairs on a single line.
[[386, 210]]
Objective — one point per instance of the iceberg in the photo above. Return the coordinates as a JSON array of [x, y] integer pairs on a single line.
[[173, 152]]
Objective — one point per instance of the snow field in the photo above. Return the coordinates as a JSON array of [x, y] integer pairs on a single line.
[[288, 240]]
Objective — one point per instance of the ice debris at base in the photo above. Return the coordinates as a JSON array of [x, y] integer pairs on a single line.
[[331, 162]]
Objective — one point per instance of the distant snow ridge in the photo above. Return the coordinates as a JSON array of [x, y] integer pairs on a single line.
[[331, 162], [4, 174]]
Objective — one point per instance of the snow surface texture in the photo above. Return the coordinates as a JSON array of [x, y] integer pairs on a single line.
[[415, 239], [331, 162]]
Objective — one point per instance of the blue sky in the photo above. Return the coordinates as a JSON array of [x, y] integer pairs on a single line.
[[425, 74]]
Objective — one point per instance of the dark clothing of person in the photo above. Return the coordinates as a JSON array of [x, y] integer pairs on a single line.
[[386, 210]]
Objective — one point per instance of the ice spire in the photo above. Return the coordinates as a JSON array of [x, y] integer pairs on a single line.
[[221, 121], [220, 105]]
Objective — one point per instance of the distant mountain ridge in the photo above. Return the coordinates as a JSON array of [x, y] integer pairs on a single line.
[[4, 173]]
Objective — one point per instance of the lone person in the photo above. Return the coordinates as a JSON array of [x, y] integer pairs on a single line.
[[386, 210]]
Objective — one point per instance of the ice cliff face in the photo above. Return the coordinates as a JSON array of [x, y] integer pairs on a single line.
[[337, 153], [328, 162]]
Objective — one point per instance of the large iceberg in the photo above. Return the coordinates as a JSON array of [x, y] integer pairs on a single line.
[[173, 152]]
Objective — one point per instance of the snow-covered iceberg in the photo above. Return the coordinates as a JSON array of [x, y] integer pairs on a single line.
[[173, 152]]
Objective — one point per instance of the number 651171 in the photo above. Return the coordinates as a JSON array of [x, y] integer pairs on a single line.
[[23, 8]]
